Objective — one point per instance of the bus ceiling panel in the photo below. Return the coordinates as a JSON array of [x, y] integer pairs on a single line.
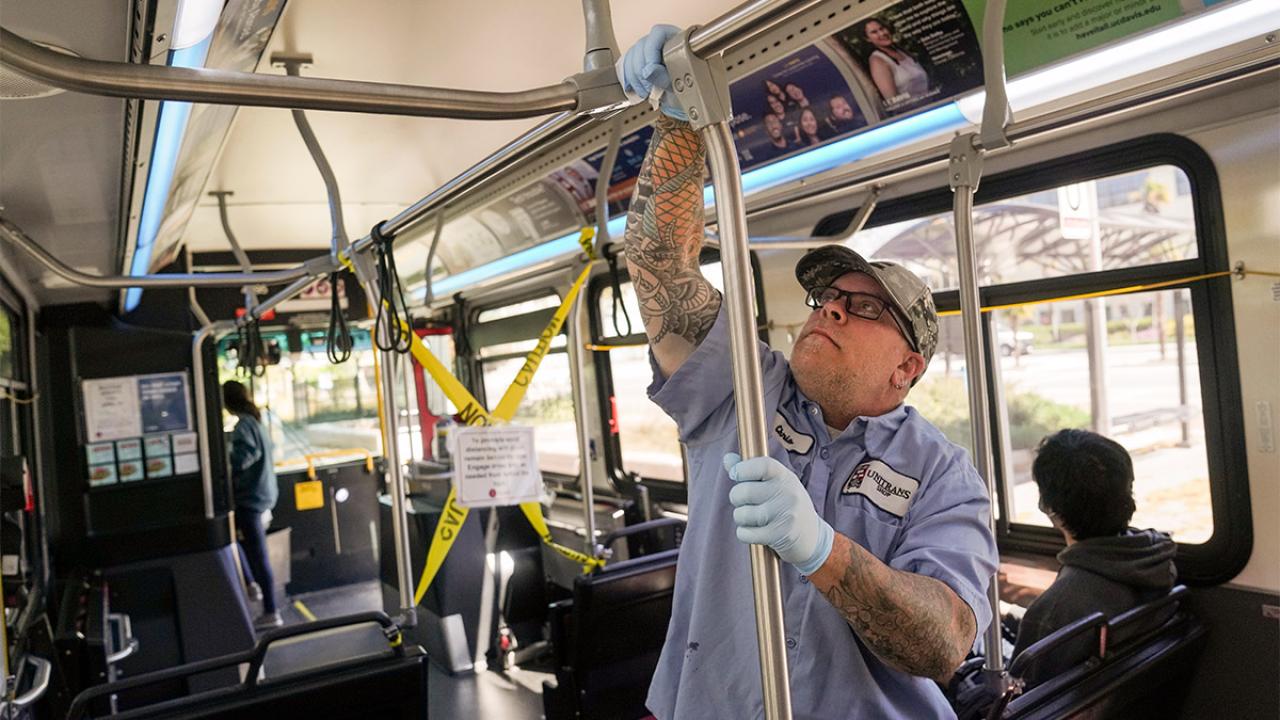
[[389, 162], [63, 153], [178, 155]]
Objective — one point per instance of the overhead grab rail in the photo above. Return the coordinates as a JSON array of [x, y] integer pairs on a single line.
[[703, 90], [338, 342], [724, 32], [18, 238], [224, 87]]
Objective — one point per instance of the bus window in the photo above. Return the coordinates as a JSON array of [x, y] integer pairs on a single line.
[[544, 302], [647, 438], [1134, 220], [1140, 387], [547, 404], [1124, 365], [312, 405], [942, 395]]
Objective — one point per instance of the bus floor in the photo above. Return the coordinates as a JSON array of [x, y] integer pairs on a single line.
[[513, 695]]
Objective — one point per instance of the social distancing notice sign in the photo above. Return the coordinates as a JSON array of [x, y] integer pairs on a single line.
[[495, 465]]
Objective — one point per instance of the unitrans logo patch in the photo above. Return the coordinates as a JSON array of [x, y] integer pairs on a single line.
[[887, 488]]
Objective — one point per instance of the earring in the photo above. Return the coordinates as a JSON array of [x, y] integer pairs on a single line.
[[898, 386]]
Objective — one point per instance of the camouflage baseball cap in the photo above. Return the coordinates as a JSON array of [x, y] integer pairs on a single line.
[[907, 292]]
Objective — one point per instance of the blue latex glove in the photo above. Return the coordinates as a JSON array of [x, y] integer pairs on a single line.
[[644, 76], [771, 507]]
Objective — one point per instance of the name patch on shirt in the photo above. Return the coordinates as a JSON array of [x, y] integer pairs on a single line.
[[887, 488], [793, 441]]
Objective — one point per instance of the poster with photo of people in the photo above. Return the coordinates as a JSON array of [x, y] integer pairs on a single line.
[[795, 103], [914, 53]]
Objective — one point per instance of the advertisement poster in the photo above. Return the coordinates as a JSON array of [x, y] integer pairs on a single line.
[[163, 402], [466, 243], [530, 215], [1037, 33], [795, 103], [578, 178], [914, 53]]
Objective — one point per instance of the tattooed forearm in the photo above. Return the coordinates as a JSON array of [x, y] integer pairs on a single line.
[[915, 623], [664, 237]]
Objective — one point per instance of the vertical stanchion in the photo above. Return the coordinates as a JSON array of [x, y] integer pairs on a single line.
[[703, 91], [748, 391], [966, 170], [577, 370], [390, 450], [396, 486], [202, 413]]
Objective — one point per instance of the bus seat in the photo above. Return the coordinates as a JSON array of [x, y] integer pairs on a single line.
[[524, 600], [1138, 668], [1073, 644], [629, 603], [1130, 627], [354, 666]]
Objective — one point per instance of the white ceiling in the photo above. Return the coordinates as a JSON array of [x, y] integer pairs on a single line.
[[60, 156], [385, 163]]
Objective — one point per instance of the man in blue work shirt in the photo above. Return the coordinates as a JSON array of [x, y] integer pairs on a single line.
[[882, 522]]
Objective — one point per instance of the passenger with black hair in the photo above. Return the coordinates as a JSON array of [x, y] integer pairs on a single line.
[[253, 479], [1086, 489]]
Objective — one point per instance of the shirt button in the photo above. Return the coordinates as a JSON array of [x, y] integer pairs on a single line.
[[813, 409], [804, 579], [825, 453], [791, 643]]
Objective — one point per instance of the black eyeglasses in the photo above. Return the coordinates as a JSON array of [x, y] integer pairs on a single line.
[[863, 305]]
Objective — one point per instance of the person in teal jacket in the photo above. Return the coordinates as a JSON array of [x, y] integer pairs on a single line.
[[254, 483]]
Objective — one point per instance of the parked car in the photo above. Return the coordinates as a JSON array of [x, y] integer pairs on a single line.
[[1009, 342]]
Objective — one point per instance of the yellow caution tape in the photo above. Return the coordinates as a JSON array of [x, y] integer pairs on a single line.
[[586, 239], [472, 412]]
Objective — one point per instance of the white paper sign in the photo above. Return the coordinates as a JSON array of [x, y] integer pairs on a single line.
[[495, 466], [186, 464], [111, 409]]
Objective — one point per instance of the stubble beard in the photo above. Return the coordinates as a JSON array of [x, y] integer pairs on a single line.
[[828, 382]]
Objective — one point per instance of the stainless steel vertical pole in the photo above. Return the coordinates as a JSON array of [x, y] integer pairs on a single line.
[[702, 88], [578, 358], [391, 452], [202, 414], [396, 486], [975, 362], [748, 391], [964, 171]]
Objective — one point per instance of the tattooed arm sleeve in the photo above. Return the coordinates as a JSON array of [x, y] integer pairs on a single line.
[[914, 623], [664, 237]]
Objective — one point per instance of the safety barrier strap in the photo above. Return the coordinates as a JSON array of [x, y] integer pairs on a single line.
[[473, 413]]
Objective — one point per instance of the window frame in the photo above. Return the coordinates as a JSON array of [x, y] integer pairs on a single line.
[[1227, 551]]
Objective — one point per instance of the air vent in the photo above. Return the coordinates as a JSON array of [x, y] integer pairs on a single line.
[[16, 86]]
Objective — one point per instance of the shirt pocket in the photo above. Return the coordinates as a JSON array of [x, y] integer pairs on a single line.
[[860, 520]]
